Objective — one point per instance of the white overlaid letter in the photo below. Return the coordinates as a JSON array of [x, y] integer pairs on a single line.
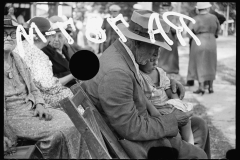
[[159, 30], [112, 22], [33, 25], [179, 29], [69, 38], [100, 35]]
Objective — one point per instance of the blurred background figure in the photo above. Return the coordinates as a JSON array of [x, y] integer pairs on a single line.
[[11, 12], [110, 33], [21, 19], [221, 20], [80, 27], [94, 19], [169, 60], [203, 59]]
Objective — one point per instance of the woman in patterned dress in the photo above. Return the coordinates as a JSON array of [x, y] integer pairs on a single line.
[[51, 87], [27, 113]]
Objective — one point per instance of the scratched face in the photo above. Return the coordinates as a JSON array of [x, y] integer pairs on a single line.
[[144, 51]]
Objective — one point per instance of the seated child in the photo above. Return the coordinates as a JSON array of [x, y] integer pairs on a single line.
[[156, 86]]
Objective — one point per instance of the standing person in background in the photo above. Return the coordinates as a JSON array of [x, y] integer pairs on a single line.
[[203, 59], [110, 33], [21, 19], [11, 12], [169, 60], [80, 35], [221, 20]]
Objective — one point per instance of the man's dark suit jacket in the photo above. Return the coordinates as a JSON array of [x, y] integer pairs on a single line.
[[60, 64], [117, 94]]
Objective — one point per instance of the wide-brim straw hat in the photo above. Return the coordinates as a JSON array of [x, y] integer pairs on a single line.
[[138, 28], [9, 22], [203, 5]]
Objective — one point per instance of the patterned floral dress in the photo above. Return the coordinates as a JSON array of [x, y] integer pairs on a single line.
[[41, 70], [57, 138]]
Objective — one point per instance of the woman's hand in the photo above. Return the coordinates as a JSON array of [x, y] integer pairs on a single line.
[[7, 144], [178, 88], [42, 113]]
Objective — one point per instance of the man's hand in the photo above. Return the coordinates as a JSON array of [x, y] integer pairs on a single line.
[[182, 117], [42, 113], [178, 88]]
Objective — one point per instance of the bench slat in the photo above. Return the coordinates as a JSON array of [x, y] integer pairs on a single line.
[[107, 133], [95, 146]]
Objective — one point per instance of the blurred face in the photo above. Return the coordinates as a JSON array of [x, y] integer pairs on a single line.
[[115, 13], [151, 64], [164, 9], [58, 40], [10, 41], [11, 10], [144, 51]]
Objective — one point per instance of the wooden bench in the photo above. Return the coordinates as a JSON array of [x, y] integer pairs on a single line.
[[101, 141]]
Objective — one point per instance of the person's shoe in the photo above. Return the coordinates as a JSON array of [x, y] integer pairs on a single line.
[[199, 91], [189, 83], [210, 90]]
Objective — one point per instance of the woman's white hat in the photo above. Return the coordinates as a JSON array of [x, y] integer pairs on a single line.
[[114, 8], [137, 6], [203, 5]]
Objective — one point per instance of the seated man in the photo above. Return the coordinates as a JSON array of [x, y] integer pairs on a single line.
[[116, 92], [59, 57]]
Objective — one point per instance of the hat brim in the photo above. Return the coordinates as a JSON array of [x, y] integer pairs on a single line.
[[9, 26], [132, 35]]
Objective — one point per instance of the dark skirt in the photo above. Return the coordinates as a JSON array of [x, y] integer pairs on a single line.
[[169, 60]]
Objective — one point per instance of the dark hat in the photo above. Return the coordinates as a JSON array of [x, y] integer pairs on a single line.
[[9, 22], [166, 4], [42, 23], [138, 28]]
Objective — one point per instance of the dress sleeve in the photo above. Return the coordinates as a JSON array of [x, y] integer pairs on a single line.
[[164, 80], [33, 89], [116, 97], [9, 132]]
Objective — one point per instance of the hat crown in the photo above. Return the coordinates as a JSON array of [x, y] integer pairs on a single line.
[[141, 17], [42, 23], [114, 8], [203, 5]]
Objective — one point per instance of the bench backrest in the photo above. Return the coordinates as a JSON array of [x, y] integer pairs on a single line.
[[111, 141], [86, 125]]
